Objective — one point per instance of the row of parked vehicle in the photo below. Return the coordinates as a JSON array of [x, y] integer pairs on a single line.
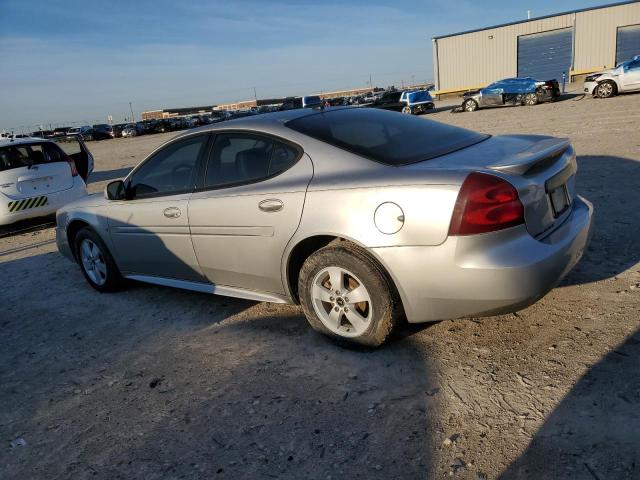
[[625, 77]]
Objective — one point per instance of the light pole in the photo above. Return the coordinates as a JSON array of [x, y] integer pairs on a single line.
[[132, 117]]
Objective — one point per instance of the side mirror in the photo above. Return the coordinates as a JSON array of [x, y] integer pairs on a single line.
[[115, 190]]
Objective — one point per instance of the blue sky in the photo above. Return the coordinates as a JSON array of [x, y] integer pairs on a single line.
[[65, 61]]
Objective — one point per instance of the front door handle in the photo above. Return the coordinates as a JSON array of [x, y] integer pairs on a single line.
[[172, 212], [271, 205]]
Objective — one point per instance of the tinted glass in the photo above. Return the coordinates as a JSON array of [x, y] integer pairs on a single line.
[[386, 137], [171, 170], [392, 97], [240, 158], [25, 155]]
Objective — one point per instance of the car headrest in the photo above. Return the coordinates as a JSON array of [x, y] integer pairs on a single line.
[[37, 156]]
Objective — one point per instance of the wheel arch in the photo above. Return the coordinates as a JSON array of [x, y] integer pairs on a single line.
[[613, 81], [305, 247], [73, 228]]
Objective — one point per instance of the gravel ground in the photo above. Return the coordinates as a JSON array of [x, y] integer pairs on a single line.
[[158, 383]]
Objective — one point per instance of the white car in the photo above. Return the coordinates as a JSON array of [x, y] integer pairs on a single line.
[[38, 176], [624, 78]]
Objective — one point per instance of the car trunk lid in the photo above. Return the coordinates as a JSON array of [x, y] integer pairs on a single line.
[[38, 180], [542, 169]]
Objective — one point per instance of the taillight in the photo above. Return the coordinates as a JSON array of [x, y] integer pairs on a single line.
[[485, 203], [72, 165]]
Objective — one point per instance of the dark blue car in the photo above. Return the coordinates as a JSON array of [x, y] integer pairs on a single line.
[[511, 91]]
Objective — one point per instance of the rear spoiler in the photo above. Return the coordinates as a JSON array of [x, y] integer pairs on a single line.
[[543, 151]]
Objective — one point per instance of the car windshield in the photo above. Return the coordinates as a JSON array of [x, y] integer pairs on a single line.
[[386, 137], [311, 100]]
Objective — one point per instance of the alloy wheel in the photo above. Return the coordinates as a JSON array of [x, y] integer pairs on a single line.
[[341, 301], [605, 90], [93, 262]]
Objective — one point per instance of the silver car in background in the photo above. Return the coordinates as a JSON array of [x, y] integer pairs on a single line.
[[624, 78], [362, 216]]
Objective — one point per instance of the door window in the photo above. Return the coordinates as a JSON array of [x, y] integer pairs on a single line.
[[172, 170], [242, 158]]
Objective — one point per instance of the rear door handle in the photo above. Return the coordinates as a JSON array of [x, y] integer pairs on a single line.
[[172, 212], [271, 205]]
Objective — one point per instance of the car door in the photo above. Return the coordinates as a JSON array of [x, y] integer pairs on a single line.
[[631, 76], [492, 95], [77, 150], [247, 208], [150, 229]]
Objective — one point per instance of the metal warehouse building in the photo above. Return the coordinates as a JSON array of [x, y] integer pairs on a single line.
[[576, 43]]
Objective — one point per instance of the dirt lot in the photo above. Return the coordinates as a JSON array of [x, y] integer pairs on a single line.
[[157, 383]]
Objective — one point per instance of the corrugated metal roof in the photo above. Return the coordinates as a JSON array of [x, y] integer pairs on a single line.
[[535, 18]]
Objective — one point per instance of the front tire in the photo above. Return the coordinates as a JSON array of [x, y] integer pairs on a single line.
[[346, 296], [407, 110], [96, 263], [606, 89], [530, 99], [470, 105]]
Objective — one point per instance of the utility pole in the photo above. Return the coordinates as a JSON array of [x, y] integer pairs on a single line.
[[132, 116], [255, 95], [370, 82]]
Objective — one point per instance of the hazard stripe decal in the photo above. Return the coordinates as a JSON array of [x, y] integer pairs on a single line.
[[33, 202]]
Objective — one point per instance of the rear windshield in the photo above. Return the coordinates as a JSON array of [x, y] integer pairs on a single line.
[[387, 137], [313, 100], [25, 155]]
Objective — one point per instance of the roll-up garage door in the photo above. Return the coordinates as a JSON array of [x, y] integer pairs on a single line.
[[627, 43], [544, 56]]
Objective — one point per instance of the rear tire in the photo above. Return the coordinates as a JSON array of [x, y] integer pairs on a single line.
[[368, 317], [470, 105], [606, 89], [96, 263]]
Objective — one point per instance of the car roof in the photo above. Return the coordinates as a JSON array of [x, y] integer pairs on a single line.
[[7, 142], [272, 121]]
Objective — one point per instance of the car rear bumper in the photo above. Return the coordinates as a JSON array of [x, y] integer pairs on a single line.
[[486, 274], [32, 207]]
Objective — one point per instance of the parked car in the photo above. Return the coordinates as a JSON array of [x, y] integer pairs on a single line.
[[624, 78], [102, 131], [85, 132], [130, 130], [327, 208], [416, 101], [391, 100], [117, 129], [59, 132], [37, 176], [309, 101], [511, 91]]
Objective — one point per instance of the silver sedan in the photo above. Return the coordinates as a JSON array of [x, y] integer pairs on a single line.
[[362, 216]]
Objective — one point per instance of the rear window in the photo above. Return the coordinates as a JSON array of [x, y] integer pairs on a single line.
[[24, 155], [387, 137]]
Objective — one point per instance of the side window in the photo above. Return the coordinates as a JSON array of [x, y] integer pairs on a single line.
[[55, 154], [171, 170], [240, 158], [635, 65]]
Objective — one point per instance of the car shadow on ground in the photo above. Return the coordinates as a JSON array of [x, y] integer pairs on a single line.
[[603, 406], [153, 382], [615, 245], [28, 225]]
